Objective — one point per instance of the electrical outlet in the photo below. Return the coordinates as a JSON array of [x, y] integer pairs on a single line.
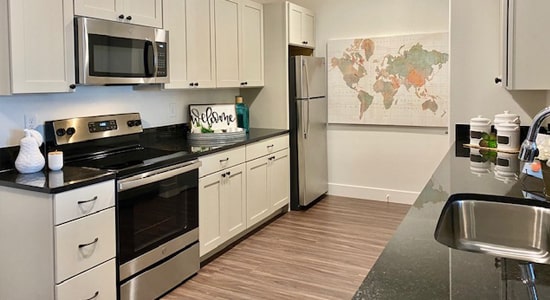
[[30, 121], [172, 110]]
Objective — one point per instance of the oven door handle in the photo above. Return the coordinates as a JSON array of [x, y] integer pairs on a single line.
[[157, 175]]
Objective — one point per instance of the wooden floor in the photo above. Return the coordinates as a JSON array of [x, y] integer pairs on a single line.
[[322, 253]]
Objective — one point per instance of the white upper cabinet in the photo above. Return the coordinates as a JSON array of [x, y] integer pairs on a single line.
[[191, 46], [239, 43], [252, 44], [301, 26], [141, 12], [38, 42], [526, 44], [227, 43]]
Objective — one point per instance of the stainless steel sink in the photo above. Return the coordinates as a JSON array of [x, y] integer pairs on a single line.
[[500, 226]]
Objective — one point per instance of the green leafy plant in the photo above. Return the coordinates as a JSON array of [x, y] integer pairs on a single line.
[[488, 140]]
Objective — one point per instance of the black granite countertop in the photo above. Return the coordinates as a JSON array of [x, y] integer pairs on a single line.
[[169, 138], [414, 265]]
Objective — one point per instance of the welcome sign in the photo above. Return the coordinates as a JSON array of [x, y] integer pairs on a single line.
[[210, 118]]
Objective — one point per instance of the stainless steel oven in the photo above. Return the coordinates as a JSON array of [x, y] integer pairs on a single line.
[[156, 202], [157, 230]]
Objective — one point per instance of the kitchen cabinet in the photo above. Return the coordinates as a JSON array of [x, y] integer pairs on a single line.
[[38, 51], [525, 45], [301, 26], [140, 12], [191, 48], [239, 43], [268, 182], [64, 243], [222, 198]]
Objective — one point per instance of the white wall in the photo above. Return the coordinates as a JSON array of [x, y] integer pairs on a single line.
[[371, 162], [153, 104]]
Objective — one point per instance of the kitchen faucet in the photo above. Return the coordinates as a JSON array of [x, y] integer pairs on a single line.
[[528, 149]]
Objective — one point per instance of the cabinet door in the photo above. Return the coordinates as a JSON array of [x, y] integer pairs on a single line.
[[210, 227], [301, 25], [252, 44], [294, 24], [192, 59], [233, 204], [42, 46], [526, 43], [144, 12], [257, 194], [227, 43], [308, 28], [279, 179], [101, 9]]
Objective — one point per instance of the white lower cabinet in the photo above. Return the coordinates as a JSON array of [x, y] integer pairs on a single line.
[[222, 201], [58, 252], [239, 188], [268, 185], [222, 207]]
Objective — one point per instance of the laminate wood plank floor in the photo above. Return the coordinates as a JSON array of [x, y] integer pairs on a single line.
[[324, 253]]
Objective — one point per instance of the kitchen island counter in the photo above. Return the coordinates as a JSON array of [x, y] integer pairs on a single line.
[[414, 265]]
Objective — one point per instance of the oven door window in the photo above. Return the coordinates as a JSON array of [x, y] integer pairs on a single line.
[[120, 57], [153, 214]]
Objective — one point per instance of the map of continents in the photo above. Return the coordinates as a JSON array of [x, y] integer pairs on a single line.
[[400, 80]]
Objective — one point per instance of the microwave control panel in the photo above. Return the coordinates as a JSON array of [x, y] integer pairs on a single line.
[[162, 70]]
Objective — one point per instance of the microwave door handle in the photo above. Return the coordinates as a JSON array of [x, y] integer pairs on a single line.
[[149, 59]]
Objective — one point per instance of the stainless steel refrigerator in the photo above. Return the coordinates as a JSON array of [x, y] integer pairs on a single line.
[[308, 130]]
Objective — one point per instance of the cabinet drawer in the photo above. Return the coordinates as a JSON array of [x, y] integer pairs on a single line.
[[83, 201], [218, 161], [266, 147], [84, 243], [100, 281]]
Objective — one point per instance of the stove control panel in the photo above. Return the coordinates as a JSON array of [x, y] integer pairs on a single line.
[[90, 128], [102, 126]]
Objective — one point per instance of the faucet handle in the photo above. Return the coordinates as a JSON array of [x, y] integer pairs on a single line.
[[528, 151]]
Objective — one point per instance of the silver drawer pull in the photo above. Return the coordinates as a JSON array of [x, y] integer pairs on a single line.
[[224, 160], [94, 296], [86, 201], [88, 244]]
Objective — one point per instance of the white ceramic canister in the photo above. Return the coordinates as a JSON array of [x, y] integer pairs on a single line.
[[508, 136], [507, 163], [479, 165], [478, 126]]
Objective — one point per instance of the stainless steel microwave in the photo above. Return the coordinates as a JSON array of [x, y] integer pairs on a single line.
[[111, 53]]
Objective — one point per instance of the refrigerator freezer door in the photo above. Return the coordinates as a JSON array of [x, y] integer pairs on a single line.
[[310, 77], [312, 150]]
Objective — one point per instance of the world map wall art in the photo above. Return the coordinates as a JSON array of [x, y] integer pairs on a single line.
[[396, 80]]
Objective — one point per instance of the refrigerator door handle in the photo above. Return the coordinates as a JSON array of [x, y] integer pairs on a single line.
[[306, 72], [303, 118]]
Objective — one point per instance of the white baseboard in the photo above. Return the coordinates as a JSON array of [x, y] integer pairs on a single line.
[[372, 193]]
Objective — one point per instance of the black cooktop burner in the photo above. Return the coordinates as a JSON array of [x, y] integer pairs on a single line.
[[121, 160]]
